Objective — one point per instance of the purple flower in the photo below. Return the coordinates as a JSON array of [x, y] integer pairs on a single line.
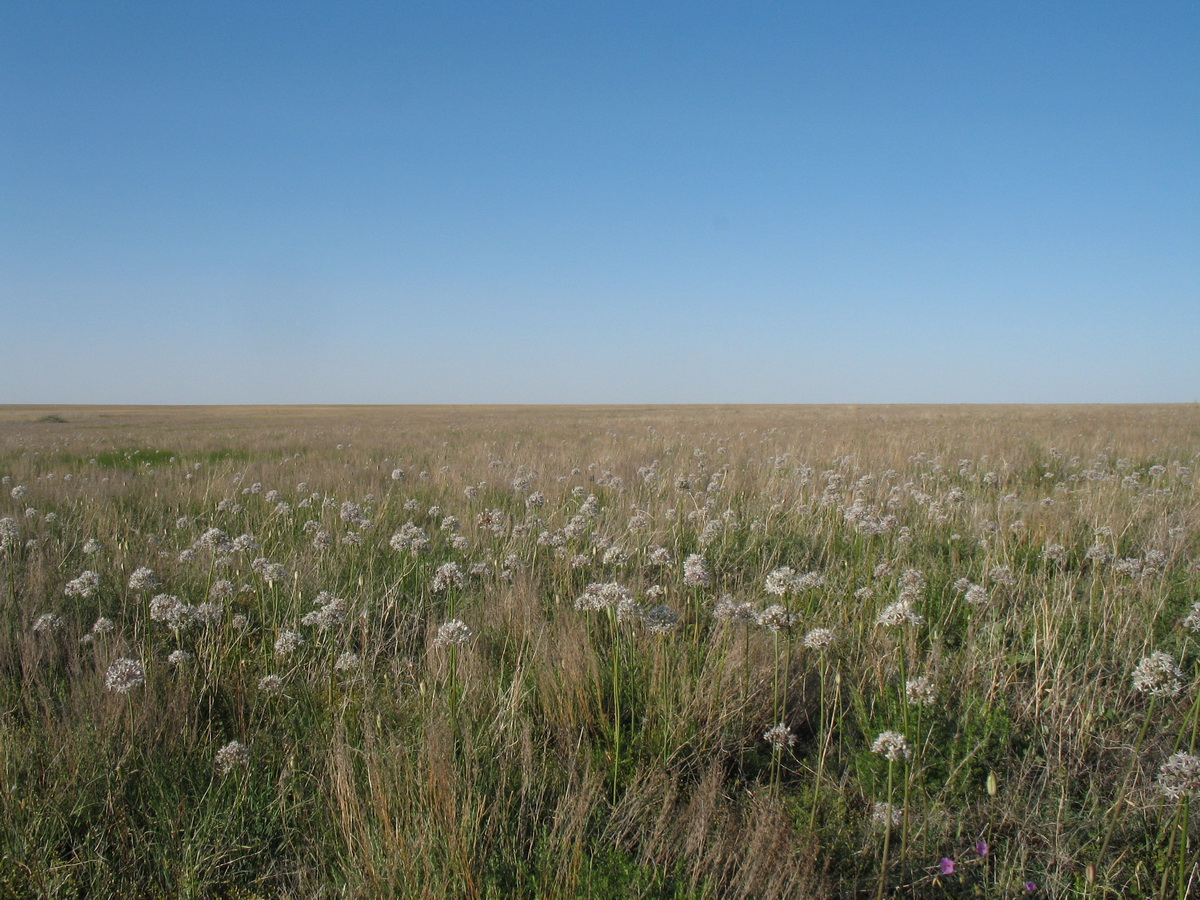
[[982, 848], [1030, 887], [946, 865]]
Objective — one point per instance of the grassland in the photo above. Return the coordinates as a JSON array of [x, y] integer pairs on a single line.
[[599, 652]]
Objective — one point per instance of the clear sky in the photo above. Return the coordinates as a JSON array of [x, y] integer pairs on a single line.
[[608, 202]]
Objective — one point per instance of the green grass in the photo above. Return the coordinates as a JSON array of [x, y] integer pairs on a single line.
[[561, 752]]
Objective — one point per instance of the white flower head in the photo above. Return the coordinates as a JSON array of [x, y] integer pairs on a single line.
[[892, 745]]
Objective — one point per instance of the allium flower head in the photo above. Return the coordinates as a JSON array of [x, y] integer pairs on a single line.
[[347, 662], [447, 576], [172, 612], [270, 572], [453, 633], [124, 675], [603, 596], [920, 691], [270, 684], [900, 613], [47, 623], [779, 736], [221, 590], [818, 638], [330, 612], [1179, 776], [776, 618], [780, 581], [178, 657], [730, 610], [103, 626], [1158, 675], [92, 546], [409, 538], [231, 756], [143, 579], [83, 586], [977, 594], [695, 571], [10, 533], [1192, 621], [892, 745], [288, 642]]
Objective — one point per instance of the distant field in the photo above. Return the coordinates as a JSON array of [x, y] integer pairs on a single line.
[[769, 651]]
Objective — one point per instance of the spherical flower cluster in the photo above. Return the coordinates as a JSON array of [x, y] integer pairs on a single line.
[[270, 572], [409, 538], [818, 639], [779, 736], [603, 596], [892, 745], [1158, 675], [658, 556], [172, 612], [124, 675], [776, 618], [221, 590], [447, 576], [921, 691], [83, 586], [143, 579], [453, 633], [1179, 776], [179, 657], [977, 594], [1192, 621], [329, 612], [900, 613], [10, 533], [91, 545], [347, 662], [780, 581], [270, 684], [730, 610], [216, 540], [231, 756], [695, 571], [245, 543], [288, 642]]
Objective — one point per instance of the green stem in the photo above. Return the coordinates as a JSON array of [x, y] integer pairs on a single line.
[[822, 739], [1182, 881], [887, 834]]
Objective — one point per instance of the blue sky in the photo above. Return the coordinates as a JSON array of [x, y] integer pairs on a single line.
[[599, 202]]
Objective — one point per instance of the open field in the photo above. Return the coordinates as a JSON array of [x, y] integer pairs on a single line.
[[599, 651]]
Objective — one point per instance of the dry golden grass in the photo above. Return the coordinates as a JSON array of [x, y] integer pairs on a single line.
[[563, 752]]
